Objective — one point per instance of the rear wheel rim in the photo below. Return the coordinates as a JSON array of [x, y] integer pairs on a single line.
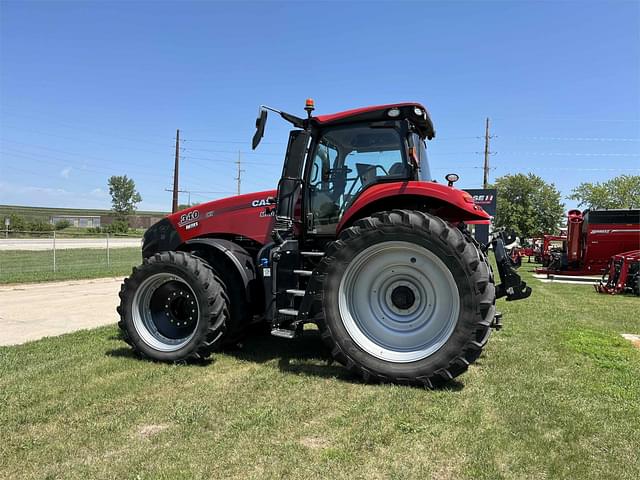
[[398, 301], [165, 312]]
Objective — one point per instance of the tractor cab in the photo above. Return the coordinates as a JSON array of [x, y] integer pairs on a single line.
[[332, 159]]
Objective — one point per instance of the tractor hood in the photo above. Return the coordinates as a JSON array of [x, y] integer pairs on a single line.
[[242, 215]]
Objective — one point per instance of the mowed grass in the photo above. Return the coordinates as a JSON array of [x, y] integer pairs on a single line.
[[37, 266], [555, 395]]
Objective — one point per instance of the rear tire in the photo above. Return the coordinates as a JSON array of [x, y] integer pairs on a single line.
[[430, 299], [173, 308]]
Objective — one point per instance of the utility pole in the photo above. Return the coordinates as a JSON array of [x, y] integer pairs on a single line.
[[174, 206], [485, 181], [180, 191], [239, 177]]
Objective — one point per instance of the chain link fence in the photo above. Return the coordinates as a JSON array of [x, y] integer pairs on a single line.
[[33, 256]]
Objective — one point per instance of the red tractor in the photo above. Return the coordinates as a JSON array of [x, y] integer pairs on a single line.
[[550, 244], [593, 236], [622, 274], [358, 239]]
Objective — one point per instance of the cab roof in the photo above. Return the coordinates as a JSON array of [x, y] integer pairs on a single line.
[[409, 110]]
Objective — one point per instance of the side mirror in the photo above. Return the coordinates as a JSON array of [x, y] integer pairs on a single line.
[[451, 178], [261, 121]]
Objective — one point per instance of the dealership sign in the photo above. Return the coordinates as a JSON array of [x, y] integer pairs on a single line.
[[485, 198]]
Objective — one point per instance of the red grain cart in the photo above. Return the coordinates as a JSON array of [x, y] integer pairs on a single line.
[[593, 237]]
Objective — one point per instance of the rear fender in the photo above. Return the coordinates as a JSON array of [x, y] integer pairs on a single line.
[[231, 255], [448, 203]]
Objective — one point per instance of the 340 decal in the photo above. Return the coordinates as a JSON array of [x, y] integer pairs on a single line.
[[186, 218]]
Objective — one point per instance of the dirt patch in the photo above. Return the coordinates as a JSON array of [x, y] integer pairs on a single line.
[[147, 431], [634, 339], [314, 442]]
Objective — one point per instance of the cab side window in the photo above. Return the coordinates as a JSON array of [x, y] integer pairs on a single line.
[[322, 189]]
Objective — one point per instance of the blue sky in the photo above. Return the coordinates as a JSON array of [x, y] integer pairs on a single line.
[[91, 89]]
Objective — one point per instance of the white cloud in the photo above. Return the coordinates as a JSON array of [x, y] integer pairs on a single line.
[[64, 173]]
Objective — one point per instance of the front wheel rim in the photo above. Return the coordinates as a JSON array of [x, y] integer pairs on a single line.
[[165, 312], [398, 301]]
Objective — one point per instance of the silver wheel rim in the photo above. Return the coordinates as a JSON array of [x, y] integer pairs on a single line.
[[145, 321], [398, 301]]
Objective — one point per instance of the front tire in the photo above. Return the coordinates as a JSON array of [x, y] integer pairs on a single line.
[[406, 298], [173, 308]]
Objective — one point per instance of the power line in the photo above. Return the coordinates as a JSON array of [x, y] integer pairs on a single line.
[[215, 160], [238, 142], [567, 117], [74, 125], [572, 154], [155, 152], [38, 157], [232, 151], [579, 169], [576, 139], [64, 152]]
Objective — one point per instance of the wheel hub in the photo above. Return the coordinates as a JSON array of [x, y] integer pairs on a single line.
[[398, 301], [403, 297]]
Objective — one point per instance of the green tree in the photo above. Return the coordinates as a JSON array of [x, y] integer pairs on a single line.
[[62, 224], [17, 222], [528, 205], [40, 225], [619, 192], [124, 197]]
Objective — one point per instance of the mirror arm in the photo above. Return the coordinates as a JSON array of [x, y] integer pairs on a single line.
[[296, 121]]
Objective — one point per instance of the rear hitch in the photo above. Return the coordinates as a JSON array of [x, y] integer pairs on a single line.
[[512, 285]]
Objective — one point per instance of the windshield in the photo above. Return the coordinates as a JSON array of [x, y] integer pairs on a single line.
[[346, 161], [424, 173]]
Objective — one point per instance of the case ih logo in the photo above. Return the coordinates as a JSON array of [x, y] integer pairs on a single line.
[[483, 199], [260, 203]]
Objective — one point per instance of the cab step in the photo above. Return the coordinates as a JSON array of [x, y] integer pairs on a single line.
[[295, 292], [283, 333], [303, 273], [312, 254], [288, 311]]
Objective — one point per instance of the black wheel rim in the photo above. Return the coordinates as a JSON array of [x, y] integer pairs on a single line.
[[165, 312]]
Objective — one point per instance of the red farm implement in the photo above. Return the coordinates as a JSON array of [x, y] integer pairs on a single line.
[[593, 237], [622, 274]]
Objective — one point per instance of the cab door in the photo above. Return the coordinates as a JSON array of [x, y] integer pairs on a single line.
[[289, 201]]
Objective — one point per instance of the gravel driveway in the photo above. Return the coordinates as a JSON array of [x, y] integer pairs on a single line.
[[32, 311]]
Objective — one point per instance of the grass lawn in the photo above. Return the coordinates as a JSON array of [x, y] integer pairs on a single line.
[[556, 395], [37, 266]]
